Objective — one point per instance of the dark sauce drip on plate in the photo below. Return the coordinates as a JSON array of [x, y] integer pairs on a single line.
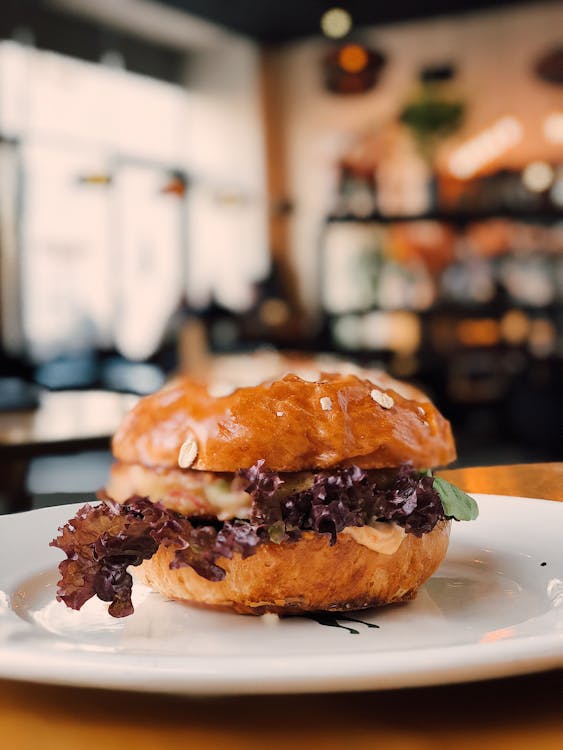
[[332, 620]]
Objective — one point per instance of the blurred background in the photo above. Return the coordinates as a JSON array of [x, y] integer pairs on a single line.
[[184, 182]]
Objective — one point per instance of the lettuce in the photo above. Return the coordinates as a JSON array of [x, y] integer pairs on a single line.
[[456, 503], [343, 497], [102, 541]]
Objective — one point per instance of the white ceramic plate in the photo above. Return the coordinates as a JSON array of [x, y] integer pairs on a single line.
[[494, 608]]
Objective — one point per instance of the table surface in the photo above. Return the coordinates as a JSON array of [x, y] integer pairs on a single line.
[[64, 417], [517, 713]]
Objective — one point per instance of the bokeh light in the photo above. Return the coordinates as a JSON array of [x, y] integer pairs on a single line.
[[336, 23], [352, 58], [485, 147], [538, 176], [553, 127]]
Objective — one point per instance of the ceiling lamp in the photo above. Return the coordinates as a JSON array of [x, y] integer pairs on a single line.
[[352, 69], [353, 58], [336, 23]]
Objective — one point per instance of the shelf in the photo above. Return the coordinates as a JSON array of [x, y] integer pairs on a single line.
[[455, 309], [459, 217]]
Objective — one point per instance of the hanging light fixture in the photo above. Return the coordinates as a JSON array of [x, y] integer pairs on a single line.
[[352, 69]]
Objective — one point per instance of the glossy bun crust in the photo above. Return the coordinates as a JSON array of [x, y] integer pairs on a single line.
[[293, 424], [304, 576]]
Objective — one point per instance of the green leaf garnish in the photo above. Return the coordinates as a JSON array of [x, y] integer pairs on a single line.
[[456, 503]]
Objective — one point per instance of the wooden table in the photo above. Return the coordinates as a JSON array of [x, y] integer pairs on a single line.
[[64, 422], [523, 713]]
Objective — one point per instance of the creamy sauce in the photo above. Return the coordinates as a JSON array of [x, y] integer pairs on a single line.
[[379, 536]]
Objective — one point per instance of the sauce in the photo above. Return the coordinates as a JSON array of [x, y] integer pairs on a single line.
[[332, 620]]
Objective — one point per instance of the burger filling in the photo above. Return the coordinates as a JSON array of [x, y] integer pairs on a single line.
[[206, 517]]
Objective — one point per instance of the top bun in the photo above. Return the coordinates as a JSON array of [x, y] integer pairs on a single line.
[[291, 423]]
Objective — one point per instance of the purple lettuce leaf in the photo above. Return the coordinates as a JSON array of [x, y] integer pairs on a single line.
[[411, 502], [343, 497], [101, 542]]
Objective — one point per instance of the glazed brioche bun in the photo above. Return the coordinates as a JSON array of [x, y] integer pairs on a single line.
[[291, 423], [294, 424], [305, 576]]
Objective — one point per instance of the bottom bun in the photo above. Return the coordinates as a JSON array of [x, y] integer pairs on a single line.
[[304, 576]]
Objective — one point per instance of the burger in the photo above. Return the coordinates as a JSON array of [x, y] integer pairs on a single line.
[[294, 495]]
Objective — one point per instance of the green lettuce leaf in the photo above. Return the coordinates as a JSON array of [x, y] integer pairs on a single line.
[[456, 503]]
